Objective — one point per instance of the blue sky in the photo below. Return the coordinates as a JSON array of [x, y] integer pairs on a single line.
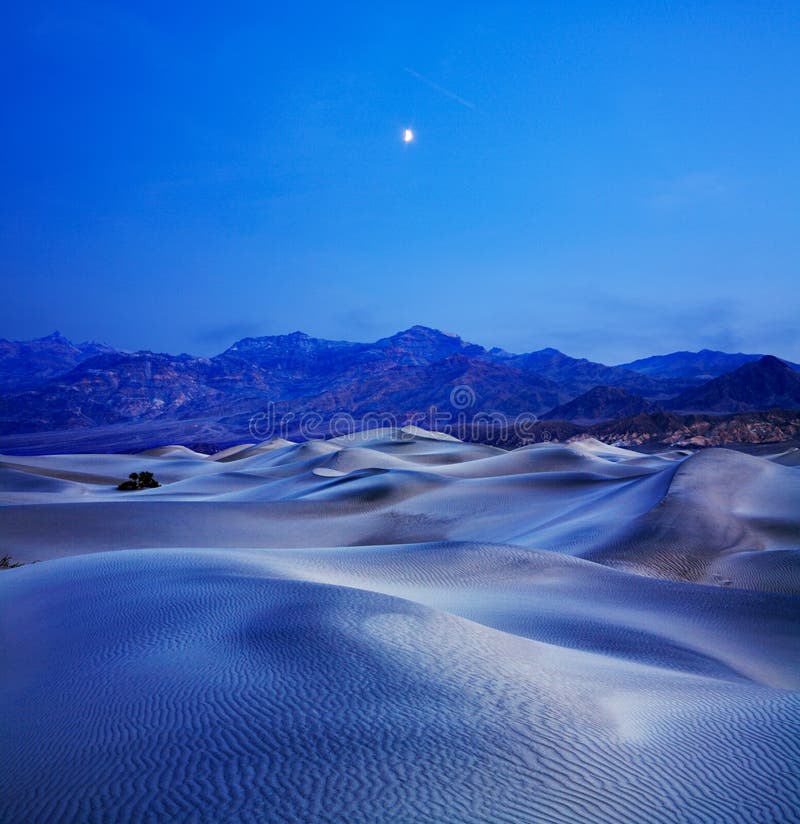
[[613, 179]]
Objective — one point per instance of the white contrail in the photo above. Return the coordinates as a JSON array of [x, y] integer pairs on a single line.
[[441, 89]]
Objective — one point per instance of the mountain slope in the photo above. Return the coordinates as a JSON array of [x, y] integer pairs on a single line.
[[602, 403], [24, 364], [670, 428], [456, 384], [417, 371], [401, 375], [698, 366], [108, 389], [579, 375], [763, 384]]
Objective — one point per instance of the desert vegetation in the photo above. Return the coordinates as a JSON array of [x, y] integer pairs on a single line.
[[137, 481]]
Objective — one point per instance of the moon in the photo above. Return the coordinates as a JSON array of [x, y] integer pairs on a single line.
[[408, 135]]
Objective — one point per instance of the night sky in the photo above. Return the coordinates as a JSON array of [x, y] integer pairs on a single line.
[[612, 179]]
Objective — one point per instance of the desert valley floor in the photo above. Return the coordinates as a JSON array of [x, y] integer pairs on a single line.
[[401, 627]]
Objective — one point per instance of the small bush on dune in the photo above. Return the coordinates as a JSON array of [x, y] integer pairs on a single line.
[[7, 563], [139, 480]]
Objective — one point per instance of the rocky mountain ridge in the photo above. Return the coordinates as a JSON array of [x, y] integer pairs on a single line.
[[51, 385]]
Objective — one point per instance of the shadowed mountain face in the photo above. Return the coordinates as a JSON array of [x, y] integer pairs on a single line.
[[28, 363], [764, 384], [50, 385], [416, 388], [603, 403], [403, 374], [581, 375], [695, 366]]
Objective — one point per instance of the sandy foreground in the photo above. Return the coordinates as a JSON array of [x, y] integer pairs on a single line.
[[401, 627]]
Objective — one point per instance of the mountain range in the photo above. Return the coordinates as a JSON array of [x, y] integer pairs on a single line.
[[765, 383], [29, 363], [699, 366], [51, 385]]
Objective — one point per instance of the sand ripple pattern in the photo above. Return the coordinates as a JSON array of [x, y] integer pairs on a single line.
[[401, 629], [162, 686]]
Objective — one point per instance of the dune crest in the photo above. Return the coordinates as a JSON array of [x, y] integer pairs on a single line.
[[399, 627]]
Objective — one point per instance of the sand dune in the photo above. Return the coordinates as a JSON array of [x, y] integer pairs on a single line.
[[789, 457], [399, 627], [719, 503]]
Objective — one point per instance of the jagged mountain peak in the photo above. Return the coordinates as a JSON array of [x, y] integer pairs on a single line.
[[50, 384], [54, 336], [419, 332]]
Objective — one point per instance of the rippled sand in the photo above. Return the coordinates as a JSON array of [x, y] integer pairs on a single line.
[[399, 627]]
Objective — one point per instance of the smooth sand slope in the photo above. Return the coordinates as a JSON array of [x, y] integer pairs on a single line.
[[400, 627]]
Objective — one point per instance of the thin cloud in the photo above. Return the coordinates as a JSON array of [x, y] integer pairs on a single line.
[[690, 190], [441, 89]]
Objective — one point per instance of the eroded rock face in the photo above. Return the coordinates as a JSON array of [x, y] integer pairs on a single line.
[[704, 430], [405, 375]]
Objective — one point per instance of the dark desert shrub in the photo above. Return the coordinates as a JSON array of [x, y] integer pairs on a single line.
[[139, 480]]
